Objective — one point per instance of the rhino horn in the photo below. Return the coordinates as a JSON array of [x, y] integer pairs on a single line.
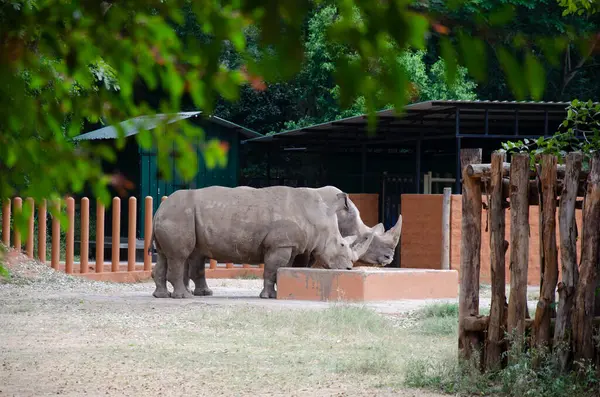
[[396, 230], [341, 202], [378, 228], [361, 245]]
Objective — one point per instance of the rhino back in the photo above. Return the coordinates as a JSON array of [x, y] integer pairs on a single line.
[[232, 223]]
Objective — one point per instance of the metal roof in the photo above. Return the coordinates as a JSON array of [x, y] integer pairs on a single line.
[[431, 116], [136, 124]]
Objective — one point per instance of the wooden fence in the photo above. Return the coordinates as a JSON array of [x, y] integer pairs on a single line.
[[565, 326], [100, 269]]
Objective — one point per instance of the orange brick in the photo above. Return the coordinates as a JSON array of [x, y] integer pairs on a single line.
[[365, 284]]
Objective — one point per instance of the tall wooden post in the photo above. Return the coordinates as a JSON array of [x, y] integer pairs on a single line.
[[70, 235], [568, 257], [543, 313], [470, 252], [519, 243], [42, 213], [147, 232], [85, 236], [116, 234], [30, 227], [583, 341], [100, 214], [497, 326]]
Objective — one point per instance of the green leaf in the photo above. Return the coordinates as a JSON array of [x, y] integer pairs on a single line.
[[511, 68], [449, 55]]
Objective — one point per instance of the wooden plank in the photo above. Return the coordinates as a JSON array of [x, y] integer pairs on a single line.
[[568, 251], [481, 323], [583, 341], [497, 326], [519, 244], [479, 171], [445, 262], [543, 313], [470, 252]]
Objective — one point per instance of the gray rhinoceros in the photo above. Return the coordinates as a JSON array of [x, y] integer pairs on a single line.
[[245, 225], [380, 251]]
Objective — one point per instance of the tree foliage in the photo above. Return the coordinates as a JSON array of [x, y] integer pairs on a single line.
[[65, 65]]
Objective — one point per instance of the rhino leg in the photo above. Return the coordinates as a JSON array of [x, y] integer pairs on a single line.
[[197, 273], [274, 259], [159, 274], [186, 275], [175, 275]]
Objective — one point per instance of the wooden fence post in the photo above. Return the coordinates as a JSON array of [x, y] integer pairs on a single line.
[[212, 264], [30, 228], [131, 226], [519, 244], [497, 326], [99, 236], [55, 250], [116, 234], [147, 232], [70, 235], [42, 213], [17, 235], [85, 236], [6, 207], [543, 313], [568, 251], [470, 252], [445, 263], [583, 341]]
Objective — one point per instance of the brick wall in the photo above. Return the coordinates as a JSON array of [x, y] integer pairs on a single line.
[[368, 205], [421, 243]]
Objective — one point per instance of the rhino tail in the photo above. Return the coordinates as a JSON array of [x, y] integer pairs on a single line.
[[150, 243]]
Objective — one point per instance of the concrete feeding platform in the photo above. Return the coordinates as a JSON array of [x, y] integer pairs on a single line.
[[365, 284]]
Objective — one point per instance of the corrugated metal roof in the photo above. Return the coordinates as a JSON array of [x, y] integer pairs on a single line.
[[531, 106], [136, 124]]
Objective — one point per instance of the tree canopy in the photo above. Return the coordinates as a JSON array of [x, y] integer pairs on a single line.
[[66, 65]]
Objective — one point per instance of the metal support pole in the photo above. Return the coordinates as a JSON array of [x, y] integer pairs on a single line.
[[457, 185], [445, 261]]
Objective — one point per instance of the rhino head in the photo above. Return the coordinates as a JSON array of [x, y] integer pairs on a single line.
[[341, 252], [382, 248]]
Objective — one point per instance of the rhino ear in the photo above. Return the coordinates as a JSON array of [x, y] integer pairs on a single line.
[[396, 230], [361, 245], [378, 228], [341, 202]]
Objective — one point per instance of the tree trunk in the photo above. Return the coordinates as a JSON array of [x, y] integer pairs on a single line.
[[497, 325], [543, 314], [568, 251], [583, 313], [519, 245], [470, 252]]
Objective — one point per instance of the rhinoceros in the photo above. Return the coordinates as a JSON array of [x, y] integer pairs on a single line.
[[245, 225], [380, 251]]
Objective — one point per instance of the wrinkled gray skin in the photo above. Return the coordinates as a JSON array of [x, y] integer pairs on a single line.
[[245, 225], [380, 251]]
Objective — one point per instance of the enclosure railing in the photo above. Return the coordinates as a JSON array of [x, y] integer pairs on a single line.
[[62, 248], [567, 327]]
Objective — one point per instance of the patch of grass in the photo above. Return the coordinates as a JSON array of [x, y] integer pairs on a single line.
[[438, 319], [437, 310], [519, 378]]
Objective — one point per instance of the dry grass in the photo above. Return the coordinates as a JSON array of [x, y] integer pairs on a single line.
[[75, 337]]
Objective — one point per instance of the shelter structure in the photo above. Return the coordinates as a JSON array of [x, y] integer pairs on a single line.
[[140, 166], [412, 152]]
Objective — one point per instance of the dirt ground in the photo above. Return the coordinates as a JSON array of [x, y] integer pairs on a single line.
[[61, 335]]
